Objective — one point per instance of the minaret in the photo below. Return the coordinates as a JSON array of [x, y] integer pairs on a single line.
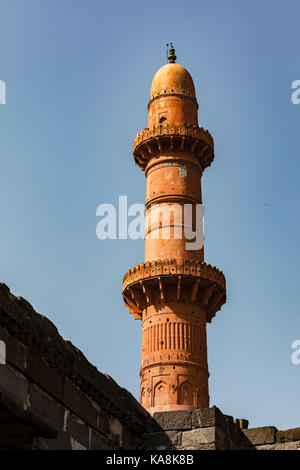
[[174, 292]]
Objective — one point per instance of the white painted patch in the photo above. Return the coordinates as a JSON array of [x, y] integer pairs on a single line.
[[182, 171], [76, 445], [2, 352], [116, 428], [27, 403], [66, 419]]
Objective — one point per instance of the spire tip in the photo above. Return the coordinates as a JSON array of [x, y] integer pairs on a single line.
[[171, 54]]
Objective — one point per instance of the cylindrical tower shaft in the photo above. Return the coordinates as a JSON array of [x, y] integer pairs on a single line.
[[173, 292]]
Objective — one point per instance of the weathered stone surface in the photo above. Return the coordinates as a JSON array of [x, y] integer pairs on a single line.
[[199, 447], [161, 440], [78, 430], [168, 420], [19, 426], [210, 428], [280, 446], [79, 404], [14, 382], [288, 435], [45, 376], [261, 435], [206, 417], [75, 445], [52, 398], [99, 443], [12, 443], [116, 432], [131, 441], [243, 423], [62, 442], [291, 445], [45, 407], [229, 437], [30, 331], [103, 421], [197, 437]]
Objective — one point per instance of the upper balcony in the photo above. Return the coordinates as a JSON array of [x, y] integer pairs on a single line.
[[170, 139]]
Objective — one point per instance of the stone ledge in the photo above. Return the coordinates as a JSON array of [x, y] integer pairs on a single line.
[[206, 417], [261, 435], [280, 446], [169, 420], [288, 435]]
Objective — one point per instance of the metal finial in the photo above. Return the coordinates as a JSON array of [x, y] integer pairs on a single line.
[[172, 57]]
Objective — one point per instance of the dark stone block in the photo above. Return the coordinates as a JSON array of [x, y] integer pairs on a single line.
[[229, 438], [34, 333], [16, 443], [79, 404], [168, 420], [19, 426], [131, 441], [77, 429], [116, 431], [211, 446], [261, 435], [198, 436], [103, 421], [206, 417], [243, 423], [289, 435], [99, 443], [45, 376], [46, 407], [161, 440], [14, 382], [62, 442]]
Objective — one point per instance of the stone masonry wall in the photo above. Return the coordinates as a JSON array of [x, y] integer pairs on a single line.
[[209, 429], [270, 438], [51, 397], [203, 429]]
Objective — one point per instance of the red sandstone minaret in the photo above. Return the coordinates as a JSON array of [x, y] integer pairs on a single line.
[[174, 292]]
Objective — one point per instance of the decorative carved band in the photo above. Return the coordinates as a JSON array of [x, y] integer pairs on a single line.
[[183, 94], [175, 363], [167, 267], [167, 338], [172, 129]]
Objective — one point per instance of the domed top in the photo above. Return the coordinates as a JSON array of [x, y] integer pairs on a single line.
[[172, 78]]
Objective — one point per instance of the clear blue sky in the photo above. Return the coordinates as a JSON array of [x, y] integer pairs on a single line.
[[78, 75]]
